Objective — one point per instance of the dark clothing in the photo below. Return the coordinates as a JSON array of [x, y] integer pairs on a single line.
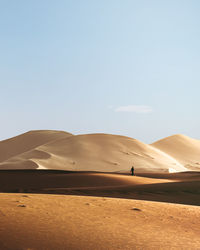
[[132, 171]]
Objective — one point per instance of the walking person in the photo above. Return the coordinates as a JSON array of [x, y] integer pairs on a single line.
[[132, 171]]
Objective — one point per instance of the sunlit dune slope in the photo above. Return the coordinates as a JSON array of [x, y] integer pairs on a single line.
[[30, 222], [96, 152], [184, 149], [27, 141]]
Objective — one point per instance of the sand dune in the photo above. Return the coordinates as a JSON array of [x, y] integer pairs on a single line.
[[74, 222], [184, 149], [94, 152], [27, 141]]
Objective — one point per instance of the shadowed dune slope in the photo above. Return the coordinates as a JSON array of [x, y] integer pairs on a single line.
[[16, 180], [95, 223], [184, 149], [97, 152], [183, 188], [26, 142]]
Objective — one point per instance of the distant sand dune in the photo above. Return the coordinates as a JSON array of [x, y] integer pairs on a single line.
[[184, 149], [92, 152], [28, 141], [22, 164]]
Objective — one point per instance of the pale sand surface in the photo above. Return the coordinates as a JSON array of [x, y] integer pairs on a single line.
[[184, 149], [11, 148], [74, 222], [92, 152]]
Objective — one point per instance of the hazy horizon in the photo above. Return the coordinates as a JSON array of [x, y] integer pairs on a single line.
[[128, 68]]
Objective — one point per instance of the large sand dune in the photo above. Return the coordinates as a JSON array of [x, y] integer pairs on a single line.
[[184, 149], [92, 152], [27, 141]]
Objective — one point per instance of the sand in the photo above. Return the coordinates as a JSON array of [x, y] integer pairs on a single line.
[[75, 222], [64, 191], [28, 141], [92, 152], [184, 149], [182, 188]]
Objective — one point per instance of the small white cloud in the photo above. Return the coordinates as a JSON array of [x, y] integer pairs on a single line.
[[135, 109]]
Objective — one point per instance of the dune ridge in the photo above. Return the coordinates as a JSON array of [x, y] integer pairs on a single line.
[[184, 149], [27, 141], [90, 152]]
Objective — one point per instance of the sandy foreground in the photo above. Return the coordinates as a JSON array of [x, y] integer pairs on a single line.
[[43, 221], [69, 210]]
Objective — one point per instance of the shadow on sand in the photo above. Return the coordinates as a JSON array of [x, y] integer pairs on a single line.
[[182, 188]]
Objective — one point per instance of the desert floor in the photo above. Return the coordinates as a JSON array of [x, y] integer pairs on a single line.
[[42, 209]]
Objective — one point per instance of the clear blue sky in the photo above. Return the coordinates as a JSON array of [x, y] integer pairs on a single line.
[[123, 67]]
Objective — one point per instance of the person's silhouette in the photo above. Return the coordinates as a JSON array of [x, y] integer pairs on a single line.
[[132, 171]]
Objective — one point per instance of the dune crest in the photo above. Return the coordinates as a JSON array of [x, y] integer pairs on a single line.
[[89, 152], [184, 149], [28, 141]]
